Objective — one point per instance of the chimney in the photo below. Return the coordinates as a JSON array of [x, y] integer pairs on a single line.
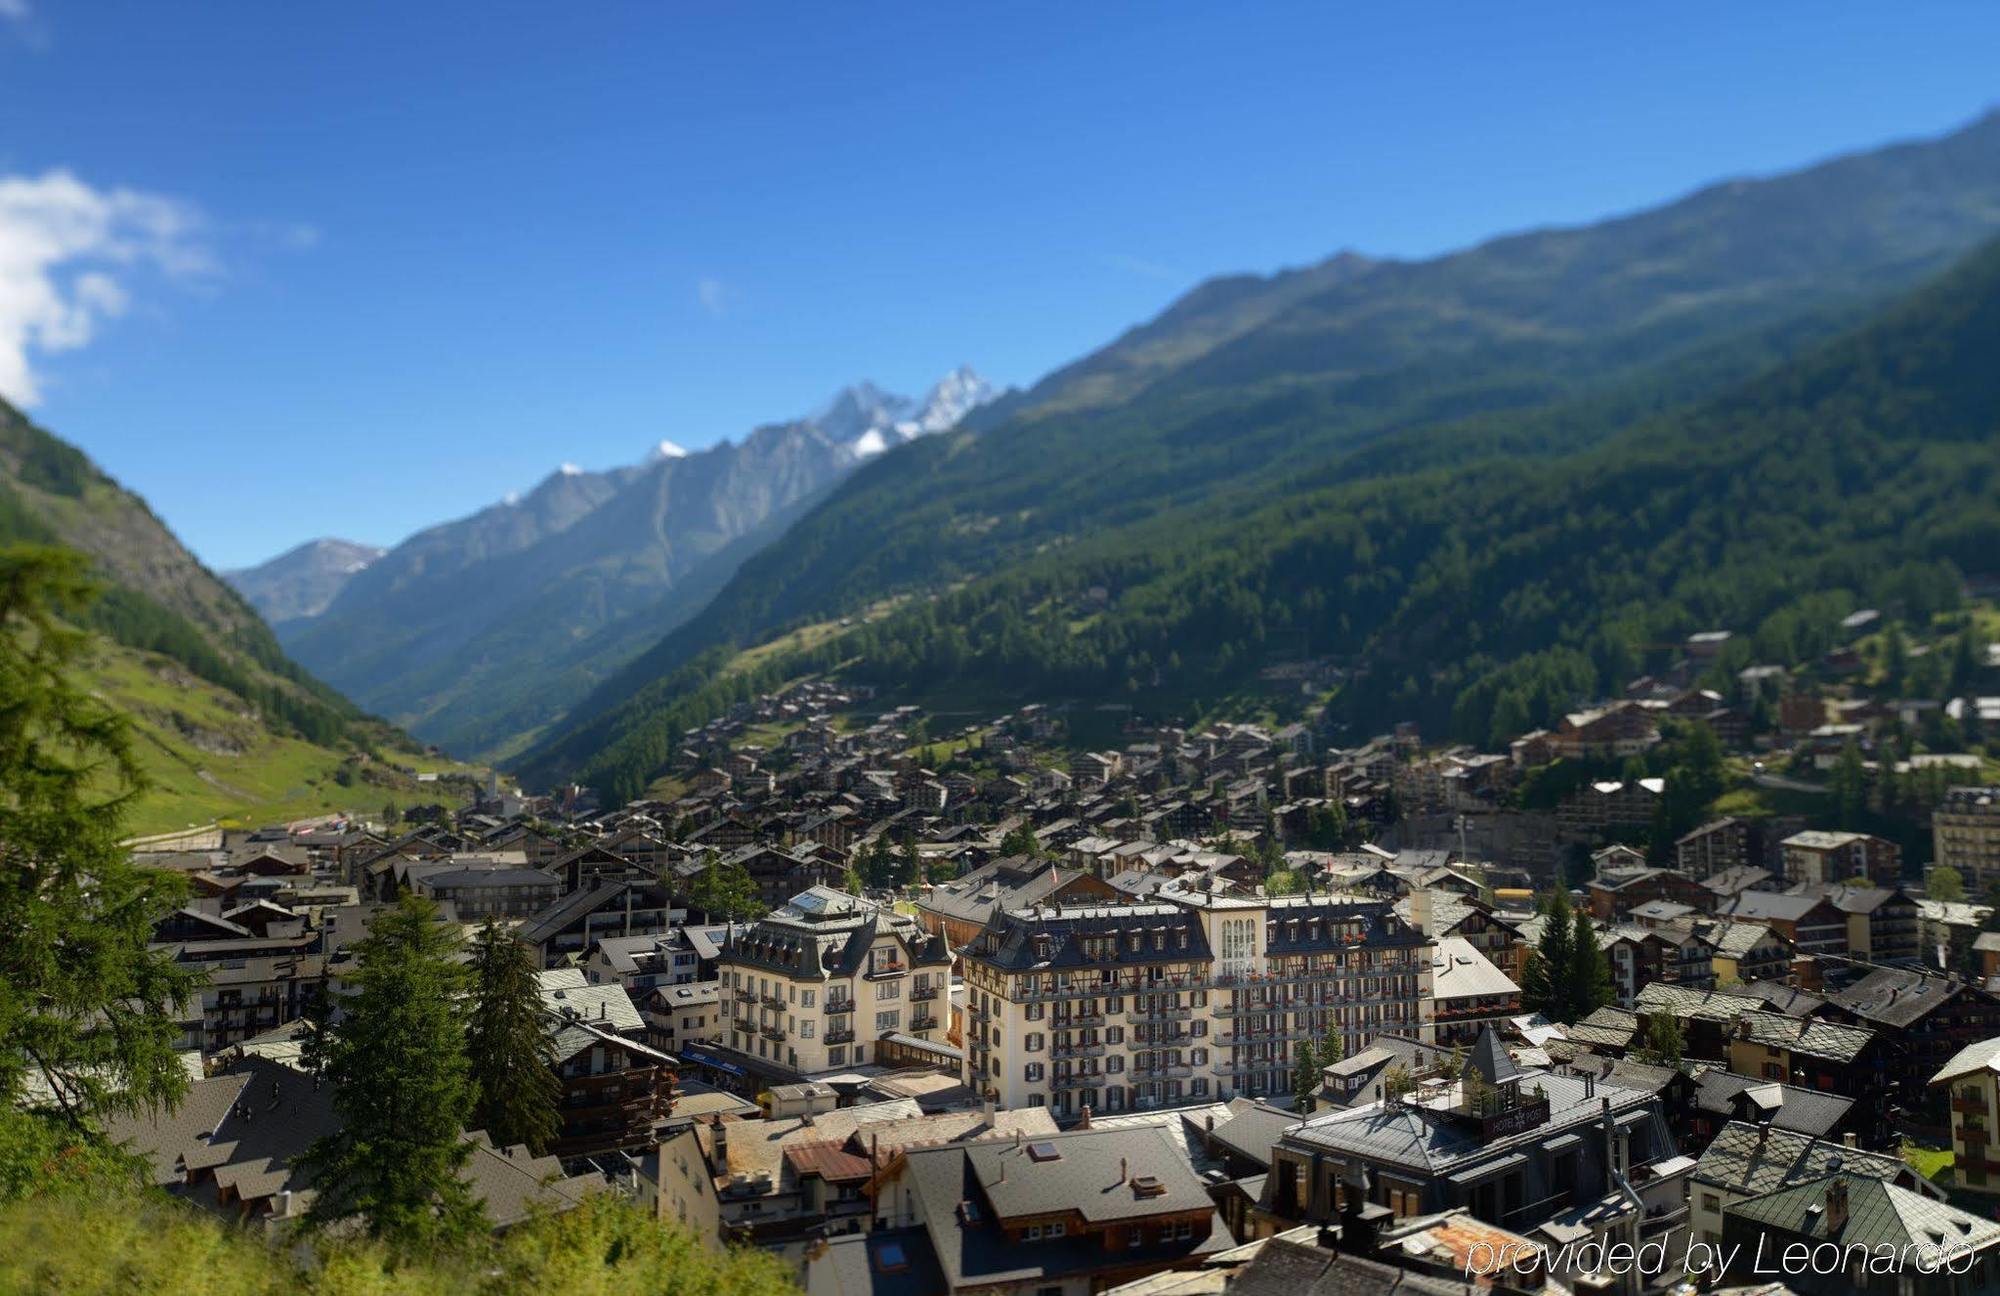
[[721, 1143], [1850, 1139], [1836, 1206]]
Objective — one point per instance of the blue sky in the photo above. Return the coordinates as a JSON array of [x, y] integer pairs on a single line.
[[303, 270]]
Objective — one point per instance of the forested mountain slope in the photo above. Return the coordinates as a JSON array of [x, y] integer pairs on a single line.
[[1270, 389], [1486, 592]]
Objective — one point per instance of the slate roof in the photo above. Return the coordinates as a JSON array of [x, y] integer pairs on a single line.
[[1802, 1111], [1697, 1005], [1290, 1265], [1736, 940], [1814, 1038], [1084, 1174], [1878, 1214], [1754, 1159], [1610, 1026], [1897, 997]]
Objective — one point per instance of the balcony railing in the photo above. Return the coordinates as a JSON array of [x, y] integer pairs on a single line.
[[923, 1021], [923, 992], [771, 1000], [1077, 1050], [840, 1005], [839, 1036], [773, 1033]]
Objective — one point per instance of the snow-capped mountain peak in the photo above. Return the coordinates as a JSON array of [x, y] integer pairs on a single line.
[[953, 396], [666, 450]]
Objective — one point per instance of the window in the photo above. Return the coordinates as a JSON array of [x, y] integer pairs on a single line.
[[887, 1021], [1198, 1088], [1055, 1230], [1036, 1011], [889, 990], [1114, 1065], [837, 1055], [1114, 1034], [806, 999], [1711, 1202], [1032, 1072], [806, 1029], [1032, 1042]]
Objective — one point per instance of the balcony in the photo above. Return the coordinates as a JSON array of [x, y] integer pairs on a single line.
[[1139, 1016], [1163, 1071], [771, 1000], [1091, 1080], [840, 1037], [883, 971], [744, 1024], [773, 1033], [1095, 1017], [923, 992], [923, 1021], [1249, 1068], [1969, 1105], [1077, 1050]]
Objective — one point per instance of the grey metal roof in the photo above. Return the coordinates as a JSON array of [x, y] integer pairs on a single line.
[[1410, 1135]]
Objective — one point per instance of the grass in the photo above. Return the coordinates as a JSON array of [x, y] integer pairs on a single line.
[[207, 759], [1928, 1162]]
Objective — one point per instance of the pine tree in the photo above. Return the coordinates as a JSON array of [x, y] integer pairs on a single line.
[[403, 1090], [84, 1001], [1588, 985], [1305, 1076], [507, 1044], [1552, 958]]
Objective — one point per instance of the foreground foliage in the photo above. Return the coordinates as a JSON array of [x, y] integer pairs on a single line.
[[152, 1246]]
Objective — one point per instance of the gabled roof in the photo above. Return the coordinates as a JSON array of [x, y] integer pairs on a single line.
[[1973, 1059], [1753, 1159], [1809, 1036], [1878, 1214], [1899, 997], [1800, 1111]]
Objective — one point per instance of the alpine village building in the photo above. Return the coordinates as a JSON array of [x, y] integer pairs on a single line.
[[826, 979], [1195, 997]]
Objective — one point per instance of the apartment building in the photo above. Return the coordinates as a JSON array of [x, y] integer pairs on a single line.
[[1965, 835], [1195, 997], [819, 982], [1817, 857]]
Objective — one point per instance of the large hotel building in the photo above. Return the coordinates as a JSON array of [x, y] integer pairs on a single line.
[[1195, 997]]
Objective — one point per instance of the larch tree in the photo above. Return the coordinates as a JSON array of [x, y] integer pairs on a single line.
[[87, 1007]]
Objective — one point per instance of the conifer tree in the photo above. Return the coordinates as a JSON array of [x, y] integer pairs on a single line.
[[507, 1043], [1305, 1076], [403, 1090], [1549, 965], [1588, 985], [86, 1005]]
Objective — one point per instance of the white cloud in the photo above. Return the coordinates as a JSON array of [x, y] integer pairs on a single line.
[[713, 295], [65, 251]]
